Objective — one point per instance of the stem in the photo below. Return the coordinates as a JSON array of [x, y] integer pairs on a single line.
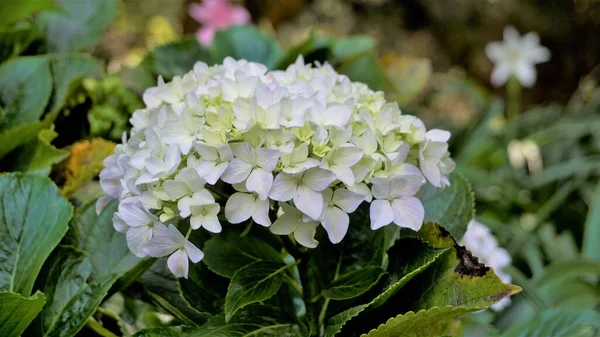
[[513, 97], [310, 291], [290, 246], [99, 329], [326, 304], [294, 284]]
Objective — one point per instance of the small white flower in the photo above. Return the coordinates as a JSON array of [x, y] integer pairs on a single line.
[[186, 182], [213, 161], [304, 188], [242, 206], [255, 166], [297, 161], [431, 153], [516, 55], [340, 162], [142, 225], [203, 210], [293, 221], [395, 202], [483, 244], [336, 206], [169, 241]]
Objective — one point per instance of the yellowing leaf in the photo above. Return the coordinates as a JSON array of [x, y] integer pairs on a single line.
[[85, 162]]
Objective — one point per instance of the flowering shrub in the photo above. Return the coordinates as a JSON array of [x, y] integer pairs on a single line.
[[306, 141]]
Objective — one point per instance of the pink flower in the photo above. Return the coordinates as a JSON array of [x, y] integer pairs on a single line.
[[215, 15]]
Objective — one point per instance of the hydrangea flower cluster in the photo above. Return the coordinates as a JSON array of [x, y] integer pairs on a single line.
[[291, 150], [483, 244]]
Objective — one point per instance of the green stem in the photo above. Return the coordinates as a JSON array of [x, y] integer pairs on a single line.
[[293, 283], [513, 97], [310, 291], [99, 329]]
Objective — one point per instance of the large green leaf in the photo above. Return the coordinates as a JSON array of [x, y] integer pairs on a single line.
[[67, 70], [81, 274], [335, 323], [94, 234], [178, 58], [257, 320], [16, 10], [425, 323], [353, 284], [38, 156], [591, 235], [14, 40], [353, 45], [11, 139], [227, 254], [25, 89], [246, 42], [408, 258], [73, 294], [456, 279], [33, 219], [559, 323], [166, 290], [453, 207], [76, 25], [366, 68], [255, 282], [16, 312]]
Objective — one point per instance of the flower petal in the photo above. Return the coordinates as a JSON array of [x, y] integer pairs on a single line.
[[237, 171], [318, 179], [136, 238], [348, 201], [260, 181], [261, 212], [305, 234], [382, 213], [408, 212], [335, 221], [309, 202], [239, 207], [284, 187], [178, 263], [193, 252]]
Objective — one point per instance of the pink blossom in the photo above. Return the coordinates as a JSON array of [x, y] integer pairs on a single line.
[[216, 15]]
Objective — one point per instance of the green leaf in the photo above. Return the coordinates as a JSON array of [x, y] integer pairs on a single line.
[[105, 248], [246, 42], [353, 284], [311, 49], [366, 68], [591, 234], [408, 258], [13, 137], [456, 279], [33, 219], [255, 282], [257, 320], [25, 89], [72, 291], [38, 156], [67, 71], [14, 41], [178, 58], [453, 207], [159, 332], [227, 254], [16, 10], [425, 323], [559, 323], [17, 312], [166, 291], [76, 25], [335, 323], [350, 46]]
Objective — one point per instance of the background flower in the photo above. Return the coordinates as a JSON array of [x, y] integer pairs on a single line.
[[214, 15]]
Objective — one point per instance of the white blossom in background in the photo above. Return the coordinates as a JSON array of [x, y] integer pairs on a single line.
[[235, 142], [483, 244], [516, 55]]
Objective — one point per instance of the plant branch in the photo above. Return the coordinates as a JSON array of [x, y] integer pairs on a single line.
[[99, 329]]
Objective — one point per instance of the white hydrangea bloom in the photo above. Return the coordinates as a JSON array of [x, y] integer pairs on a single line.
[[306, 139], [483, 244], [516, 55]]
